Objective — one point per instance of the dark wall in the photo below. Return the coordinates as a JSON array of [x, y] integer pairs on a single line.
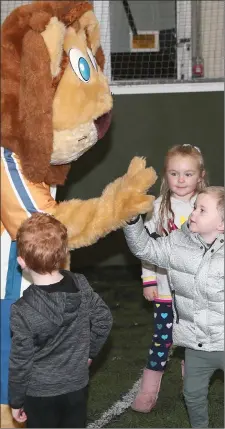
[[145, 125]]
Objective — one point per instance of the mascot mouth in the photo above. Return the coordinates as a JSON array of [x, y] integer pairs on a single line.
[[69, 145], [103, 123]]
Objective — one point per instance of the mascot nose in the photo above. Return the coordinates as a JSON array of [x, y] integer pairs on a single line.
[[103, 123]]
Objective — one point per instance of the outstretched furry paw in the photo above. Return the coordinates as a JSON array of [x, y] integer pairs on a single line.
[[131, 193], [137, 164], [139, 177]]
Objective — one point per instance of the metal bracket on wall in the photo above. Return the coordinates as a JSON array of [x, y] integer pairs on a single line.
[[130, 17], [184, 42]]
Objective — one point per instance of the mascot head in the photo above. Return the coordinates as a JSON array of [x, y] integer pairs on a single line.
[[56, 101]]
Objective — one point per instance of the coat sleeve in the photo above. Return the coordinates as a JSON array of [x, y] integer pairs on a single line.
[[145, 248], [21, 358], [100, 319]]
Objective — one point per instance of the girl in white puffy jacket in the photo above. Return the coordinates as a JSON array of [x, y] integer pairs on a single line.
[[194, 259], [183, 178]]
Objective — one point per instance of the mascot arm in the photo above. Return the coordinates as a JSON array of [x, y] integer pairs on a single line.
[[121, 200], [87, 221], [19, 196]]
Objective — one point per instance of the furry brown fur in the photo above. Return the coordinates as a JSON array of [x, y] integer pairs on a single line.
[[27, 89], [96, 216]]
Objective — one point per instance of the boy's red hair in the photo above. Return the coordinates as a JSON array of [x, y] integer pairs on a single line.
[[42, 243]]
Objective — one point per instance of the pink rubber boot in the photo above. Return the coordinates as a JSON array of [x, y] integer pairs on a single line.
[[148, 394]]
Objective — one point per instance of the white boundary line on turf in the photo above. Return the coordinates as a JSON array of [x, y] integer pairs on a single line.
[[118, 408], [166, 88]]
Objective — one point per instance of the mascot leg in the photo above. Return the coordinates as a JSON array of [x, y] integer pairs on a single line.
[[6, 418], [12, 283]]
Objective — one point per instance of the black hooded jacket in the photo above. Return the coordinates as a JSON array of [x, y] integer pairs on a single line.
[[55, 329]]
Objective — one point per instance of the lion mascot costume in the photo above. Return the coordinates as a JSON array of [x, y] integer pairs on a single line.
[[56, 104]]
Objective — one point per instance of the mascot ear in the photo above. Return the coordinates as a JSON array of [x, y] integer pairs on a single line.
[[35, 107], [53, 36], [90, 25]]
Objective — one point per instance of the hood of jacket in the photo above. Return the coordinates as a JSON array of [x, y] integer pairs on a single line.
[[60, 308], [194, 236]]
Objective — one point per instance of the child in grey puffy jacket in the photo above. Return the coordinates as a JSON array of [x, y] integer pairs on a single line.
[[194, 259]]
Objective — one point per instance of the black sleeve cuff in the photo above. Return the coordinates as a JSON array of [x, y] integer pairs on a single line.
[[15, 406], [154, 235], [133, 221]]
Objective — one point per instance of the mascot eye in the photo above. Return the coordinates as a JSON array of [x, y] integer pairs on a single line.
[[92, 58], [79, 64]]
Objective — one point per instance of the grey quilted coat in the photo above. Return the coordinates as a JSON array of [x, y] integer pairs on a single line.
[[196, 275]]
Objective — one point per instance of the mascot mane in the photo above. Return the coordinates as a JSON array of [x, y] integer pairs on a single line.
[[28, 87]]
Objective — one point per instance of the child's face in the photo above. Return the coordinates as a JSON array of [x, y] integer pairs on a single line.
[[205, 218], [182, 175]]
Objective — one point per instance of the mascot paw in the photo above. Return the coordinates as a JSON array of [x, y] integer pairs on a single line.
[[136, 204], [138, 177], [133, 188], [137, 164]]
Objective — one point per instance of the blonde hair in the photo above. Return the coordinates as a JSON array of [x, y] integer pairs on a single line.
[[165, 210], [218, 193]]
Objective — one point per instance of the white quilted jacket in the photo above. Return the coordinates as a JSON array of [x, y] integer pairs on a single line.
[[182, 210], [196, 276]]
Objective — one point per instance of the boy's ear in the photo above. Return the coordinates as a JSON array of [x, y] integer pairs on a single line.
[[21, 262]]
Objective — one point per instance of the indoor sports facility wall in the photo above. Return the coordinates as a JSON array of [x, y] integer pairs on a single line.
[[150, 114], [159, 45], [145, 125], [162, 46]]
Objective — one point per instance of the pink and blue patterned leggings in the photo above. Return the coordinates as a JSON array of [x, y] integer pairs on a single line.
[[162, 337]]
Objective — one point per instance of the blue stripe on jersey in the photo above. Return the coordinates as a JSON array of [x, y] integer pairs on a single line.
[[17, 182], [14, 275]]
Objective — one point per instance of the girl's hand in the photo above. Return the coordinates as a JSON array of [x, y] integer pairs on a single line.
[[150, 293], [89, 362], [19, 415]]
